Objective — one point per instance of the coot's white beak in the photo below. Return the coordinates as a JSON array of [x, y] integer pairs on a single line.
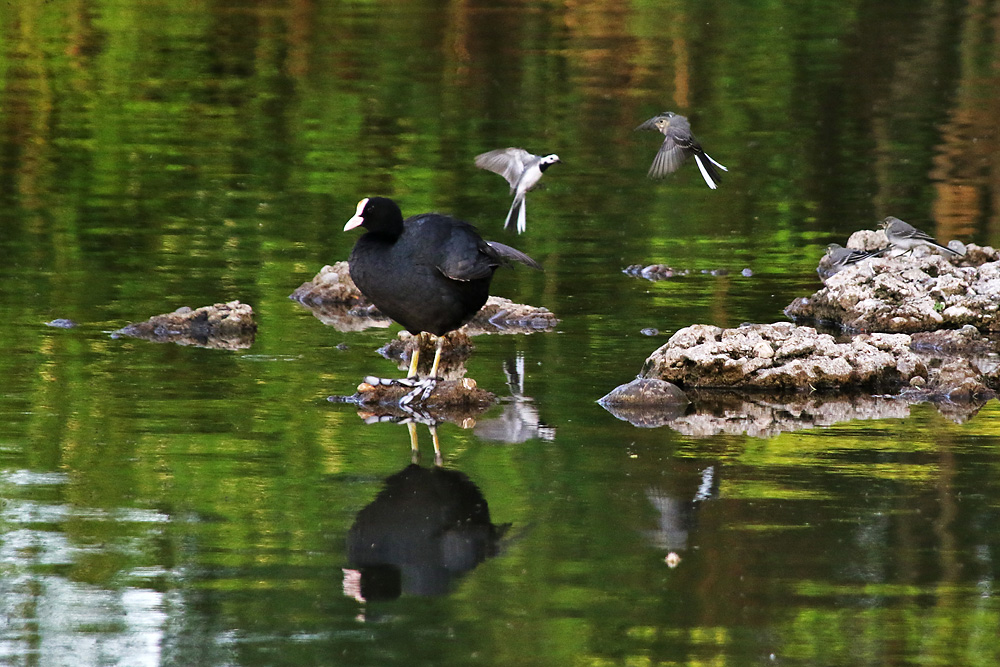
[[358, 219]]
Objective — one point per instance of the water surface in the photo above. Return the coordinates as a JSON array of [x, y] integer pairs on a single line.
[[175, 505]]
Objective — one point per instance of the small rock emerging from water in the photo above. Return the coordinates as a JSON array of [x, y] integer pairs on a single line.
[[646, 402], [645, 391], [228, 326], [458, 401]]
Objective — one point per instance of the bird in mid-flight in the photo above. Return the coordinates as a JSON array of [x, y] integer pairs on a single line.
[[678, 145], [522, 170]]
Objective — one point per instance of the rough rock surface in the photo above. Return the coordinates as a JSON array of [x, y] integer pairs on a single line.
[[786, 357], [500, 315], [654, 272], [334, 299], [464, 393], [456, 401], [920, 291], [714, 412], [228, 326], [646, 402], [332, 284], [646, 391], [918, 314]]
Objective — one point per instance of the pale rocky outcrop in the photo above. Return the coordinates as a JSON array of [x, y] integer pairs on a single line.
[[920, 291], [786, 357], [916, 321], [762, 380]]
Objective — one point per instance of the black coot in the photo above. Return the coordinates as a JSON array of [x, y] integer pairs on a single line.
[[430, 273]]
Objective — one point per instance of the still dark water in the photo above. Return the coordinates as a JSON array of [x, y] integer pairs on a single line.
[[168, 505]]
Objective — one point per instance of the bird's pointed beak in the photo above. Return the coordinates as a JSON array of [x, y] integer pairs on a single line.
[[358, 219]]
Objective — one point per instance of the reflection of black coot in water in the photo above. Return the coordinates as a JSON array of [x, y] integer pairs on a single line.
[[425, 528]]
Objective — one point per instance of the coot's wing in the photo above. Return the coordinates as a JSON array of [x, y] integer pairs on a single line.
[[456, 249], [508, 162], [466, 264]]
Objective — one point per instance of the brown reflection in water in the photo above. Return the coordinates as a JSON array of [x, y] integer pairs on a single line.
[[28, 108], [960, 111], [966, 171]]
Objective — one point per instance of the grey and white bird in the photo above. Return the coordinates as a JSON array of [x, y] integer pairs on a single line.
[[522, 170], [679, 144], [904, 236], [838, 258]]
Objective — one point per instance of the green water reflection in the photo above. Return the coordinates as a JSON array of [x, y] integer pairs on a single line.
[[179, 506]]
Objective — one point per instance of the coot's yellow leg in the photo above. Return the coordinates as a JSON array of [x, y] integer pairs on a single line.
[[437, 356], [415, 357]]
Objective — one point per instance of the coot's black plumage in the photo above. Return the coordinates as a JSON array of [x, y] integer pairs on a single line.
[[429, 273]]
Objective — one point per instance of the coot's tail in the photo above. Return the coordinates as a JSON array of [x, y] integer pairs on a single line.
[[506, 254]]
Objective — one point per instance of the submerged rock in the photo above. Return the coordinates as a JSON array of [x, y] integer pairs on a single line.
[[653, 272], [335, 300], [226, 326], [967, 342], [920, 291]]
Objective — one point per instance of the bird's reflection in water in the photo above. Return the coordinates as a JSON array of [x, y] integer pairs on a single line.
[[519, 421], [426, 528], [679, 515]]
